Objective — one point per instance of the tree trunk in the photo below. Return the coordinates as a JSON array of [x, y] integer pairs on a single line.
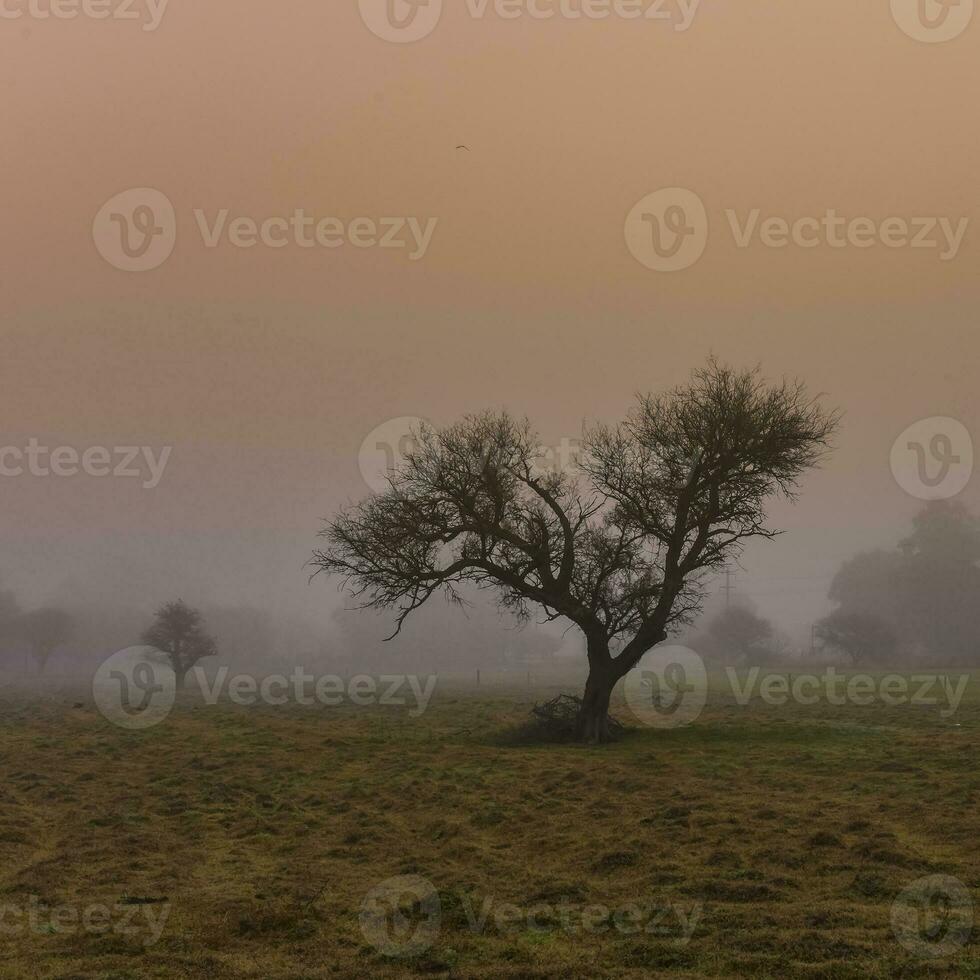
[[593, 720], [604, 672]]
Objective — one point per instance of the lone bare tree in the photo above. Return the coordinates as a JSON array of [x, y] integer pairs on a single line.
[[178, 631], [44, 630], [621, 549]]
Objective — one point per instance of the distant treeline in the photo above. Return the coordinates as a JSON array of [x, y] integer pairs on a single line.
[[71, 639], [916, 604]]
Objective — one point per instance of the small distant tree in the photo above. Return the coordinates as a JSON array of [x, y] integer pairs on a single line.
[[621, 550], [864, 637], [44, 630], [737, 634], [178, 631]]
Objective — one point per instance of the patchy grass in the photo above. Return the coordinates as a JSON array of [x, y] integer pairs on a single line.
[[780, 835]]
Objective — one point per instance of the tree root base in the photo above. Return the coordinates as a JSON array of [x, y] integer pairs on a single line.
[[560, 720]]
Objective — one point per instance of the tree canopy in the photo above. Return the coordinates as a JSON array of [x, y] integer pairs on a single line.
[[620, 548], [178, 631]]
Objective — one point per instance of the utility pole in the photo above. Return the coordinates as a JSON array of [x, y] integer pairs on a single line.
[[728, 588]]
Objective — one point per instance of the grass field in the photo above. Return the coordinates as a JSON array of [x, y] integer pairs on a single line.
[[242, 842]]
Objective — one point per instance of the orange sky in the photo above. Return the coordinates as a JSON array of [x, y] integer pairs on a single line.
[[265, 368]]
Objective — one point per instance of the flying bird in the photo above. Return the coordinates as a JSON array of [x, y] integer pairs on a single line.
[[462, 147]]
